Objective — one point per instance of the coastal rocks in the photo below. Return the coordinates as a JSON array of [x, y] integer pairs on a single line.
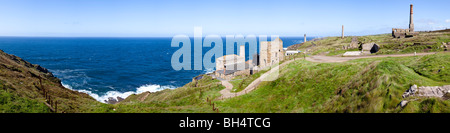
[[403, 103], [112, 100], [410, 91], [427, 91]]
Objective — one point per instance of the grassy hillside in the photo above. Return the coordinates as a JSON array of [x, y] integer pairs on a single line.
[[424, 42], [189, 98], [22, 87], [241, 82], [364, 85]]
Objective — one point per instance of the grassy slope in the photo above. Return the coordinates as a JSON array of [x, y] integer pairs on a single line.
[[189, 98], [241, 82], [20, 90], [364, 85], [331, 46]]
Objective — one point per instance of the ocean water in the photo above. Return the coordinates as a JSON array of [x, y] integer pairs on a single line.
[[109, 67]]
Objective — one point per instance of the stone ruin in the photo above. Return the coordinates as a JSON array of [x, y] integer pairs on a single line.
[[403, 33], [425, 91]]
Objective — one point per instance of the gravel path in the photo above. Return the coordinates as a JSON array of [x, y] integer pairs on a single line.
[[226, 93]]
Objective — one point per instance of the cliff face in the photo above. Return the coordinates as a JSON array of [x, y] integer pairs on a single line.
[[26, 87]]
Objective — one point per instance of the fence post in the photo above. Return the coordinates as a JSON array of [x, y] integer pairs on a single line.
[[56, 106]]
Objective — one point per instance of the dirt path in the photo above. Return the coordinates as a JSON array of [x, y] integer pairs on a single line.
[[144, 97], [226, 93]]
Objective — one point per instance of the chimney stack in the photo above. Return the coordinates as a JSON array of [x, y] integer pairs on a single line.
[[411, 23], [242, 51], [304, 38]]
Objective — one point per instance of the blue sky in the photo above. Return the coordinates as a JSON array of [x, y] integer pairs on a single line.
[[132, 18]]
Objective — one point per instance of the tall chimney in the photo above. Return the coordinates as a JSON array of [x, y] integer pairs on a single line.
[[242, 51], [342, 31], [411, 23], [304, 38]]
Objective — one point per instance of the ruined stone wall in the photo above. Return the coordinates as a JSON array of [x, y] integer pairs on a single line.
[[230, 76], [263, 53], [271, 52]]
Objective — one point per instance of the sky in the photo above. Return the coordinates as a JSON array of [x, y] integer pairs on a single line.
[[166, 18]]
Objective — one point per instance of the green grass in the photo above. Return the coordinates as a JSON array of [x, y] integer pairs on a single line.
[[12, 103], [363, 85], [436, 67], [184, 99], [424, 42], [22, 85], [241, 82]]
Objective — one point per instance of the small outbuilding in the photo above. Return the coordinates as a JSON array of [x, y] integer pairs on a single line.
[[369, 47], [291, 52]]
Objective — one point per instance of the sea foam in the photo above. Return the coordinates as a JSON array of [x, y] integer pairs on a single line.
[[115, 94]]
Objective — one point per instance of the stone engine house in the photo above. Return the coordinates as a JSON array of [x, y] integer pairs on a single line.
[[402, 33], [270, 52]]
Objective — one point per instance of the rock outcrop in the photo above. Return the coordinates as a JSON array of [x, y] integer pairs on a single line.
[[36, 84], [411, 91], [112, 100], [427, 91], [403, 103]]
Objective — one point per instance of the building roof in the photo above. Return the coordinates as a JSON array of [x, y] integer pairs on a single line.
[[232, 56], [368, 46]]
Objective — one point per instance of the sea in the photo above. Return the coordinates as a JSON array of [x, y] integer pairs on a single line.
[[106, 67]]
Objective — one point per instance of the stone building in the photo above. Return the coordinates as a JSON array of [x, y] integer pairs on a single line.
[[229, 66], [402, 33], [369, 48], [232, 62], [270, 52]]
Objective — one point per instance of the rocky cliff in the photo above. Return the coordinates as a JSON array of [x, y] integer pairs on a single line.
[[26, 87]]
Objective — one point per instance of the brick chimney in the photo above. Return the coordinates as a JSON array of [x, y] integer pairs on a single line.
[[411, 23]]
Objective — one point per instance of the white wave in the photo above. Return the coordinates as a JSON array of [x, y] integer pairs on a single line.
[[67, 86], [115, 94], [209, 70]]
